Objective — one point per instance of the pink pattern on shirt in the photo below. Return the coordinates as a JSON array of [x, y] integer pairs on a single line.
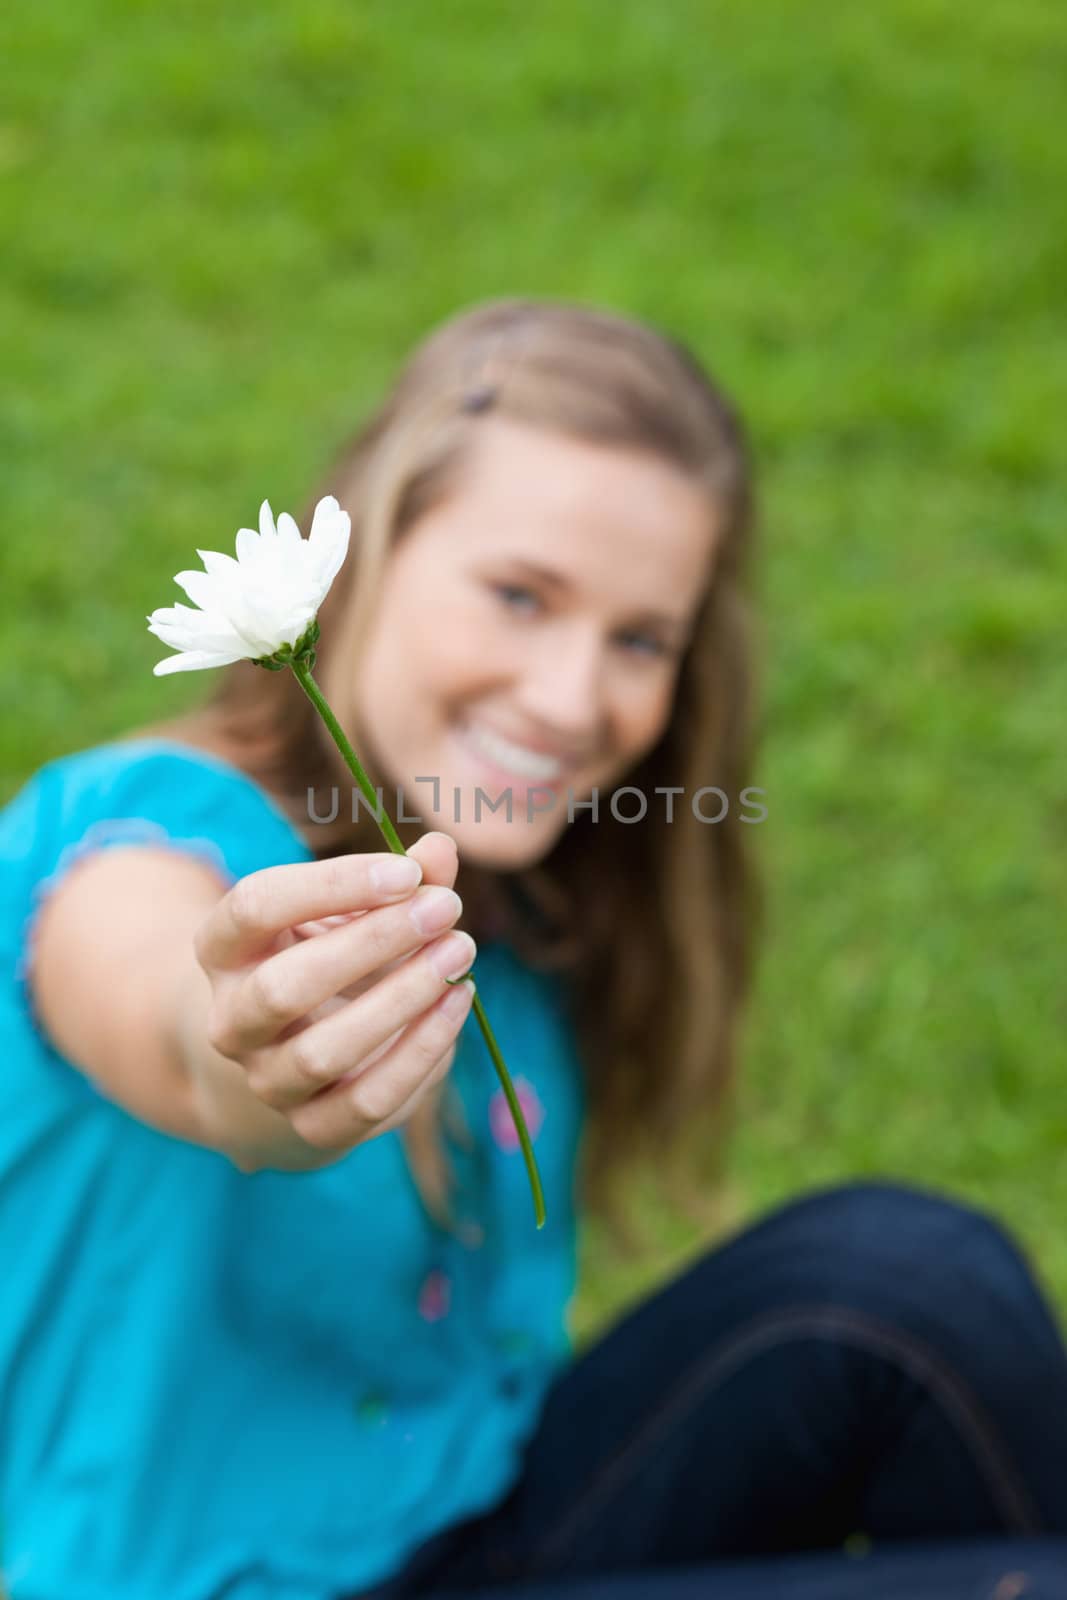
[[501, 1121], [434, 1296]]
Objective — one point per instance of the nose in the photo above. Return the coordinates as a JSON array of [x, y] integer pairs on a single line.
[[563, 693]]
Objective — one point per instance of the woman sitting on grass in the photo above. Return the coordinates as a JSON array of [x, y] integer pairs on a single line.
[[278, 1323]]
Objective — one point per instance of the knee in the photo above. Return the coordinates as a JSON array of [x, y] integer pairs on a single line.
[[895, 1239]]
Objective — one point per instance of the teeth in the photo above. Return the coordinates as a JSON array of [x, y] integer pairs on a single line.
[[514, 757]]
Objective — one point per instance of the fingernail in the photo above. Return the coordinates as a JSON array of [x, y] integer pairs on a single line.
[[435, 908], [392, 877], [453, 954], [458, 1000]]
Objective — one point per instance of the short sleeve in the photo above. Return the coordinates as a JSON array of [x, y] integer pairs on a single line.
[[150, 792]]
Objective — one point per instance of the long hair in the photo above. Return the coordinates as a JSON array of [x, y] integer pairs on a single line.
[[652, 928]]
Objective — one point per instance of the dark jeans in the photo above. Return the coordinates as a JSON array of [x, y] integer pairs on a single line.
[[871, 1363]]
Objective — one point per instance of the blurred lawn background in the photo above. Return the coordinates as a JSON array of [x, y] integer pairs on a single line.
[[224, 227]]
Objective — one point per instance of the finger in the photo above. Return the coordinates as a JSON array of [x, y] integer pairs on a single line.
[[249, 918], [438, 856], [439, 859], [290, 1071], [287, 986], [353, 1111], [403, 1112], [311, 930]]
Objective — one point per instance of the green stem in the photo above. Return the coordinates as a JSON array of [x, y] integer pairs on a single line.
[[302, 673], [516, 1111]]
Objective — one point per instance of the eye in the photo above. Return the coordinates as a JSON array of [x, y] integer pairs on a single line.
[[652, 645], [513, 594], [507, 591]]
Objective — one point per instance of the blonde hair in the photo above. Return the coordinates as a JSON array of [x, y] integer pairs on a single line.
[[652, 929]]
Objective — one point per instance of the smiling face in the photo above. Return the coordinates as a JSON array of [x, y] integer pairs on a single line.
[[485, 672]]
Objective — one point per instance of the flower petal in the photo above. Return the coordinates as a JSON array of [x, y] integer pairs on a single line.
[[267, 530], [176, 614], [258, 614], [219, 565], [288, 533], [204, 590], [193, 661], [183, 629], [247, 546], [324, 521], [330, 531]]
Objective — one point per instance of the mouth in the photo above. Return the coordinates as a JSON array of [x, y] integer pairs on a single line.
[[511, 764]]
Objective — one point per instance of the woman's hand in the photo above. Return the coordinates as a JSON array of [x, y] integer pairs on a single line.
[[329, 994]]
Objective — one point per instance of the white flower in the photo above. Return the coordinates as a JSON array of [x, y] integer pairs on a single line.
[[267, 598]]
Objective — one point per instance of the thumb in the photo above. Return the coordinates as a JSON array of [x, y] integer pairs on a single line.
[[438, 856]]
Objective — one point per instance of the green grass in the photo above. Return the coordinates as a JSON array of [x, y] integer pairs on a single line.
[[224, 227]]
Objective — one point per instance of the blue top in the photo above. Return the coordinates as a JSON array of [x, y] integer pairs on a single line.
[[268, 1386]]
